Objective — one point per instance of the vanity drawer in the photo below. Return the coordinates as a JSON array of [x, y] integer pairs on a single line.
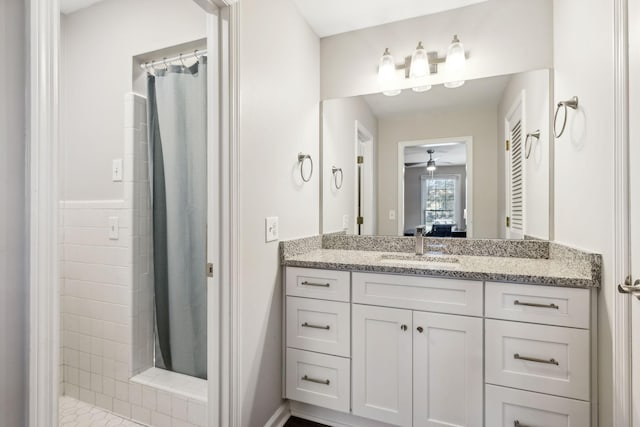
[[317, 325], [314, 283], [538, 304], [318, 379], [506, 407], [419, 293], [547, 359]]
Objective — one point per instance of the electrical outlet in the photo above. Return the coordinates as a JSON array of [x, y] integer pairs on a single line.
[[116, 170], [271, 228], [392, 215], [114, 228], [345, 222]]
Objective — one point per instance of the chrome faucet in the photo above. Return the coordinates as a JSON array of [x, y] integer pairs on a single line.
[[420, 240]]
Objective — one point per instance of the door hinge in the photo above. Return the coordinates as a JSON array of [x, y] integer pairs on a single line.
[[360, 220], [209, 269], [360, 160], [508, 222], [507, 145]]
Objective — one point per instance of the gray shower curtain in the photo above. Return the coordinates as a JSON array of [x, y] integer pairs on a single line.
[[178, 173]]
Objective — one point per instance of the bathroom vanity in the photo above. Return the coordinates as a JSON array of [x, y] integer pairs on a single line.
[[386, 337]]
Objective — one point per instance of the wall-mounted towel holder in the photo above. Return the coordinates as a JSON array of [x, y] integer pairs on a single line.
[[337, 171], [528, 142], [570, 103], [301, 159]]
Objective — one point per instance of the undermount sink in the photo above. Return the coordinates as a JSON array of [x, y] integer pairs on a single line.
[[427, 260]]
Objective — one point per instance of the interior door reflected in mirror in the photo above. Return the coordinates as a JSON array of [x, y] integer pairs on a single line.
[[466, 163]]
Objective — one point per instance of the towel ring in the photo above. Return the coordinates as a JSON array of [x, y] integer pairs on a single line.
[[335, 171], [571, 103], [301, 159], [528, 142]]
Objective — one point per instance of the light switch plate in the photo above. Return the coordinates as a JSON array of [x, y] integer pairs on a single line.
[[392, 214], [345, 222], [116, 170], [271, 228], [114, 228]]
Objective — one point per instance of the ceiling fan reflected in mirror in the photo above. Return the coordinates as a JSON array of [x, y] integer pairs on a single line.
[[430, 164]]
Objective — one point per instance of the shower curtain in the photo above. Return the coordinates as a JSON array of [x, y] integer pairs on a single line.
[[178, 175]]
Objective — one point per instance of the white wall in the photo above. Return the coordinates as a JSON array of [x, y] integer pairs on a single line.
[[501, 36], [478, 123], [584, 155], [279, 117], [98, 45], [538, 96], [339, 149], [13, 217]]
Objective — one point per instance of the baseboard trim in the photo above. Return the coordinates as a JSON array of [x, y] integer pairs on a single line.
[[330, 417], [280, 417]]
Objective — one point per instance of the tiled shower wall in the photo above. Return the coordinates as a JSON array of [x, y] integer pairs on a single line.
[[107, 297]]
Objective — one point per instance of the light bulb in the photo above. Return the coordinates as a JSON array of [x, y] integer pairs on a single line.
[[387, 75], [455, 63], [419, 63], [422, 88], [386, 69]]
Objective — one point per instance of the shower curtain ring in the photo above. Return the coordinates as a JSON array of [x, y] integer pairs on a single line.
[[182, 61], [195, 53], [164, 61]]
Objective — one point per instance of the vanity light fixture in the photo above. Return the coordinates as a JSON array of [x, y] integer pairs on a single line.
[[419, 66], [455, 63], [387, 73]]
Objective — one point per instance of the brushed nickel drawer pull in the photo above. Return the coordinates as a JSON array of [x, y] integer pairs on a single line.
[[321, 285], [517, 423], [308, 325], [533, 304], [313, 380], [535, 359]]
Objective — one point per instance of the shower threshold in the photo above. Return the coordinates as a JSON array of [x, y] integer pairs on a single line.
[[190, 387]]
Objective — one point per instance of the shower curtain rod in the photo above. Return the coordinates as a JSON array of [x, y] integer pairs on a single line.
[[164, 61]]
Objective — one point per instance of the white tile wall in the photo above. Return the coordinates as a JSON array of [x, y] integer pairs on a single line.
[[107, 299]]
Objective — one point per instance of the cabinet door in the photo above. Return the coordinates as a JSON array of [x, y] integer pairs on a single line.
[[447, 370], [381, 361]]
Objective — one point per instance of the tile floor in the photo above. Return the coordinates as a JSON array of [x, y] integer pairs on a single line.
[[74, 413]]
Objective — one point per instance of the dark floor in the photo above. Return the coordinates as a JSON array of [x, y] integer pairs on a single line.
[[299, 422]]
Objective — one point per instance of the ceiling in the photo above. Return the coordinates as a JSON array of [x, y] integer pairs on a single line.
[[330, 17], [475, 93]]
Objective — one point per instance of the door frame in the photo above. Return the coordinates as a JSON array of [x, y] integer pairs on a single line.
[[43, 24], [622, 372], [468, 141], [360, 129]]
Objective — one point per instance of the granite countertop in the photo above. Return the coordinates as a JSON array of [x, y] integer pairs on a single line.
[[567, 271]]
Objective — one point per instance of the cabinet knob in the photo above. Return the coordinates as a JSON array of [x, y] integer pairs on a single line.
[[420, 329], [403, 327]]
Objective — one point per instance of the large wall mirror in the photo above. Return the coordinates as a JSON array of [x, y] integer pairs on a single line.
[[474, 161]]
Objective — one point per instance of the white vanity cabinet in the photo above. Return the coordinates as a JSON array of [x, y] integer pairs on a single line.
[[538, 367], [410, 350], [413, 367]]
